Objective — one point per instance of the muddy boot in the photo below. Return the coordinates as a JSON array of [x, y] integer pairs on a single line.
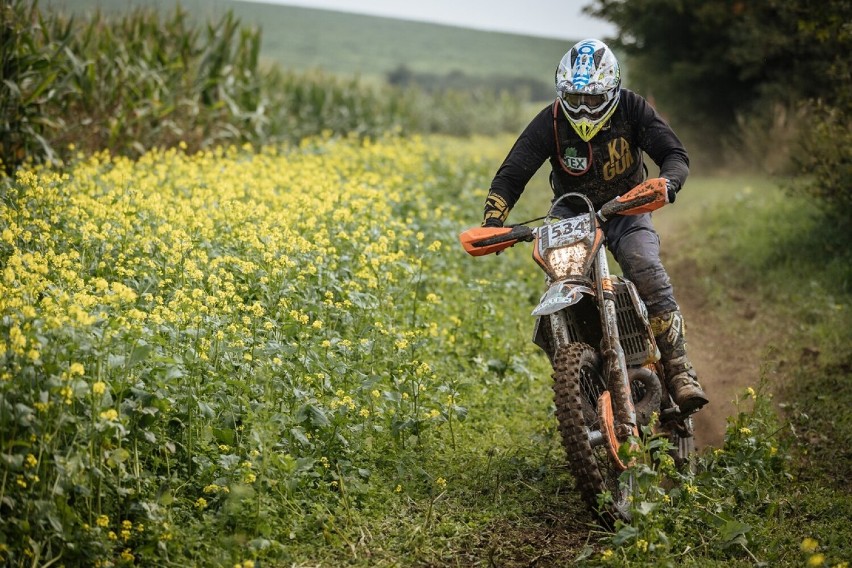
[[681, 379]]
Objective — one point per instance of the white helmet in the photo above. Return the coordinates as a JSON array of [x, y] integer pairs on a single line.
[[588, 84]]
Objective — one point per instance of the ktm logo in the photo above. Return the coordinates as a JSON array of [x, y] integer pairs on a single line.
[[620, 158]]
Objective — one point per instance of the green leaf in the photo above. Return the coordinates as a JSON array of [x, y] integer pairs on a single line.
[[625, 534], [646, 507], [733, 532], [314, 414], [299, 435], [139, 354], [205, 409], [119, 455]]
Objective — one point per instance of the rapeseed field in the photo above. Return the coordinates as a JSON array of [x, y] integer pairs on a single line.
[[209, 356]]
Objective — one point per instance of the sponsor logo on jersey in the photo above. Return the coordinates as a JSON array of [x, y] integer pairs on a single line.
[[620, 158], [574, 162]]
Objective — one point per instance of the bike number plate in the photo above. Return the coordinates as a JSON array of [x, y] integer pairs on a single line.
[[564, 232]]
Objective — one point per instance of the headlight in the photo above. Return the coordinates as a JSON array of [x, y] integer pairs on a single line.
[[566, 261], [567, 247]]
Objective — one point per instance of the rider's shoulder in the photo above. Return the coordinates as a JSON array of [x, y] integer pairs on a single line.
[[630, 97], [634, 105]]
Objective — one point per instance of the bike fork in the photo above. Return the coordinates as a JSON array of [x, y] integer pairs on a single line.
[[615, 365]]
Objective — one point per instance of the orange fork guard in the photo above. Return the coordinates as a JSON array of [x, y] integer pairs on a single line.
[[607, 422], [475, 235]]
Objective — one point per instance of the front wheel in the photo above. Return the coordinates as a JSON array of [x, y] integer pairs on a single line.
[[577, 385]]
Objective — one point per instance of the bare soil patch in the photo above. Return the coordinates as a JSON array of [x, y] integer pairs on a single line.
[[726, 347]]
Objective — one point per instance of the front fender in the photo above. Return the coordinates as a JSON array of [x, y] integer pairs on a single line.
[[560, 295]]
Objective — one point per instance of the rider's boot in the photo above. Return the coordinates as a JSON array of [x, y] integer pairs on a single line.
[[681, 379]]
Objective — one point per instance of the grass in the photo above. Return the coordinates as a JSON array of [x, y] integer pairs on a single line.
[[758, 246]]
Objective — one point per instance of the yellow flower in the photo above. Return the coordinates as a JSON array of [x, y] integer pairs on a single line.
[[99, 388], [102, 521], [816, 560], [745, 431], [110, 414], [750, 392], [809, 545], [30, 461], [76, 369], [201, 503], [441, 482], [67, 393], [607, 554], [126, 555]]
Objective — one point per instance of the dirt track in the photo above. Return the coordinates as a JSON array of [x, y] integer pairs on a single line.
[[726, 354]]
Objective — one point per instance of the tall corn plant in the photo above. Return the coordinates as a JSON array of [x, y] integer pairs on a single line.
[[133, 91], [141, 81], [230, 83], [32, 79]]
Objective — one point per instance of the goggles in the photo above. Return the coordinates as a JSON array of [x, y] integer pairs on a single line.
[[590, 102]]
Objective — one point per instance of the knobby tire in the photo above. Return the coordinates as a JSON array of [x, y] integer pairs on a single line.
[[577, 383]]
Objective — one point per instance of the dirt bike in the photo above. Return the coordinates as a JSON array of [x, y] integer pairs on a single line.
[[594, 328]]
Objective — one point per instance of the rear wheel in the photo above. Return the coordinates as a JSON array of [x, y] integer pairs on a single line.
[[577, 386]]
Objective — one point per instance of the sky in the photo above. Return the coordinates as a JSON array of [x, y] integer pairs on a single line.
[[561, 19]]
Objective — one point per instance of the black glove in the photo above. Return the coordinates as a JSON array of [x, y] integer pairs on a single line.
[[492, 222], [671, 190]]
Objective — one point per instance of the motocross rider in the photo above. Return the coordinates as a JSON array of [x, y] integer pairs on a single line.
[[594, 135]]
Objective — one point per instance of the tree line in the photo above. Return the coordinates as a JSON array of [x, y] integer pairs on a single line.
[[766, 78]]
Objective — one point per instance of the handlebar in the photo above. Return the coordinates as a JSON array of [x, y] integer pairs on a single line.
[[645, 197]]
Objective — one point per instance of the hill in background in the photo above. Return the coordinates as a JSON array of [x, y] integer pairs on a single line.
[[366, 46]]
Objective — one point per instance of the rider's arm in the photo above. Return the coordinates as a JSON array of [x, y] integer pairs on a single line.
[[658, 140], [527, 155]]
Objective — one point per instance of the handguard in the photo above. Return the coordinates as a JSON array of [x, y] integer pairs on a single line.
[[648, 196], [480, 241]]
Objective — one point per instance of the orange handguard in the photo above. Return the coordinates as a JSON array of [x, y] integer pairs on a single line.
[[471, 237], [648, 196]]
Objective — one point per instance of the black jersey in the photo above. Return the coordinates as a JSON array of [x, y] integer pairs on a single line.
[[608, 165]]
